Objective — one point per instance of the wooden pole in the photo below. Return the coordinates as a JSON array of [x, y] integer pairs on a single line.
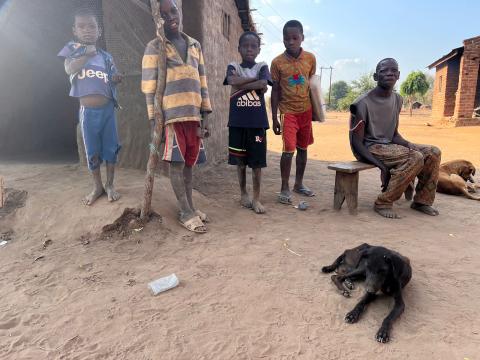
[[159, 119], [2, 193]]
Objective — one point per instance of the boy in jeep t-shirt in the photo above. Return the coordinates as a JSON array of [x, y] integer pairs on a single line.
[[93, 76]]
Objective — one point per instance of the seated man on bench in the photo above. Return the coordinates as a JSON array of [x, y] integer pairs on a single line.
[[375, 139]]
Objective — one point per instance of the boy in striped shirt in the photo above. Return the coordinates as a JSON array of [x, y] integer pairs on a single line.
[[185, 107]]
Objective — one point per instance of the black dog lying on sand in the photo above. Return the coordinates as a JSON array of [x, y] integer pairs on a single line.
[[382, 269]]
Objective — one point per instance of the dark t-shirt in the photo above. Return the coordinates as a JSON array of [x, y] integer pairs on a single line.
[[380, 116], [247, 107]]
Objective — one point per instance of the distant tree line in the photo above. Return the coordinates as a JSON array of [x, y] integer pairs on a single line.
[[417, 87]]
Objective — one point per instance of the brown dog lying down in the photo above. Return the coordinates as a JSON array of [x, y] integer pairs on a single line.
[[456, 178], [383, 270]]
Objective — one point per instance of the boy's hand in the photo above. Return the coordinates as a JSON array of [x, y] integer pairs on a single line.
[[117, 78], [413, 147], [91, 50], [385, 177], [277, 129], [204, 133]]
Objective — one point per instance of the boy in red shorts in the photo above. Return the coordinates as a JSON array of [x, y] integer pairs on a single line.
[[291, 72], [186, 105]]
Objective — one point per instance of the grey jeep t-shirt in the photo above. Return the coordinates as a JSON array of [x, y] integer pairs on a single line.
[[380, 115]]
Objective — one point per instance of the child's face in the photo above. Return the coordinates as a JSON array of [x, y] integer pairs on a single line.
[[86, 30], [249, 48], [292, 39], [169, 12]]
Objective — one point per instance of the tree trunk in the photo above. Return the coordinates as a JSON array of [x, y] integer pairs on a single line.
[[159, 119]]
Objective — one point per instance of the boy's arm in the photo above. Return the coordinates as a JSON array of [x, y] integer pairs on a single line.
[[255, 85], [149, 79], [313, 70], [117, 78], [74, 65], [206, 107], [239, 81], [357, 128], [275, 99]]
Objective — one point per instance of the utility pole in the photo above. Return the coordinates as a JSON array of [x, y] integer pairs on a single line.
[[330, 88]]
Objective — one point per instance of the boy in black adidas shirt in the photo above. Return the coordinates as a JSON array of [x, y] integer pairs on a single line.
[[248, 120]]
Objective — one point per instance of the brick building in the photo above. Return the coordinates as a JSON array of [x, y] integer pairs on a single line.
[[36, 114], [456, 90]]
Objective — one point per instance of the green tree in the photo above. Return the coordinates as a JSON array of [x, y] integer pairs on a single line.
[[358, 87], [364, 83], [416, 84], [339, 90], [344, 103]]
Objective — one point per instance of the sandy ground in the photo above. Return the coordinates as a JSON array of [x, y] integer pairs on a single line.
[[243, 294]]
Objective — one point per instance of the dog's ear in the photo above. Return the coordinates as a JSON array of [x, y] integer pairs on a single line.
[[363, 254], [396, 264]]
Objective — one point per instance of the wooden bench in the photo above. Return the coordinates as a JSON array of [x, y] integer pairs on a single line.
[[346, 183]]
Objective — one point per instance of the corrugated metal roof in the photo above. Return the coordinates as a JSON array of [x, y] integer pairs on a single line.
[[450, 55], [245, 15]]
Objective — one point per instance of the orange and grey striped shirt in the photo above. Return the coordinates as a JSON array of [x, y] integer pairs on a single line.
[[186, 91]]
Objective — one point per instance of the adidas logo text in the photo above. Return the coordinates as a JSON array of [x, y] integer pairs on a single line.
[[250, 99]]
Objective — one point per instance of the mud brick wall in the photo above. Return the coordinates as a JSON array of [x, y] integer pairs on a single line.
[[468, 80], [445, 88]]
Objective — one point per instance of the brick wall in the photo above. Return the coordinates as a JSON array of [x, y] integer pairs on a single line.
[[477, 99], [439, 86], [445, 88], [468, 79]]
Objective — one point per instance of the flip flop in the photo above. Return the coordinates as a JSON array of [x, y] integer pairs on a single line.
[[284, 199], [204, 217], [304, 191], [195, 225]]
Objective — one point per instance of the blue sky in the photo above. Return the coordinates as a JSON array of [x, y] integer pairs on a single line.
[[353, 35]]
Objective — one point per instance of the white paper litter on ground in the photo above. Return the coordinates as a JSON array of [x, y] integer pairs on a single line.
[[163, 284]]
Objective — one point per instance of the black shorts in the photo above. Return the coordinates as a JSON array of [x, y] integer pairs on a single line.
[[247, 146]]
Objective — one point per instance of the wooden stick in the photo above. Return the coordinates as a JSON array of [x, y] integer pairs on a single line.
[[2, 193], [159, 119]]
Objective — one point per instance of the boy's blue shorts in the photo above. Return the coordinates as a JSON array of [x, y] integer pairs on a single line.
[[100, 137]]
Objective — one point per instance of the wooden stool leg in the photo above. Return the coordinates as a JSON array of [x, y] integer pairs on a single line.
[[351, 192], [339, 194]]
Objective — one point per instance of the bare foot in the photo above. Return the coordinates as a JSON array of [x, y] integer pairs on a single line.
[[258, 207], [112, 194], [245, 201], [93, 196], [387, 213], [426, 209]]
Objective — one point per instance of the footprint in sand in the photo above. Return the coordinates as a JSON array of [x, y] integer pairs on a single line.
[[9, 324]]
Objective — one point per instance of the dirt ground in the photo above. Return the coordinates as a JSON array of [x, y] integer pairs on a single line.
[[251, 287]]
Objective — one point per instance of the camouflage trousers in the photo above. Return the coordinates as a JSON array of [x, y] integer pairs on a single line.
[[405, 165]]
